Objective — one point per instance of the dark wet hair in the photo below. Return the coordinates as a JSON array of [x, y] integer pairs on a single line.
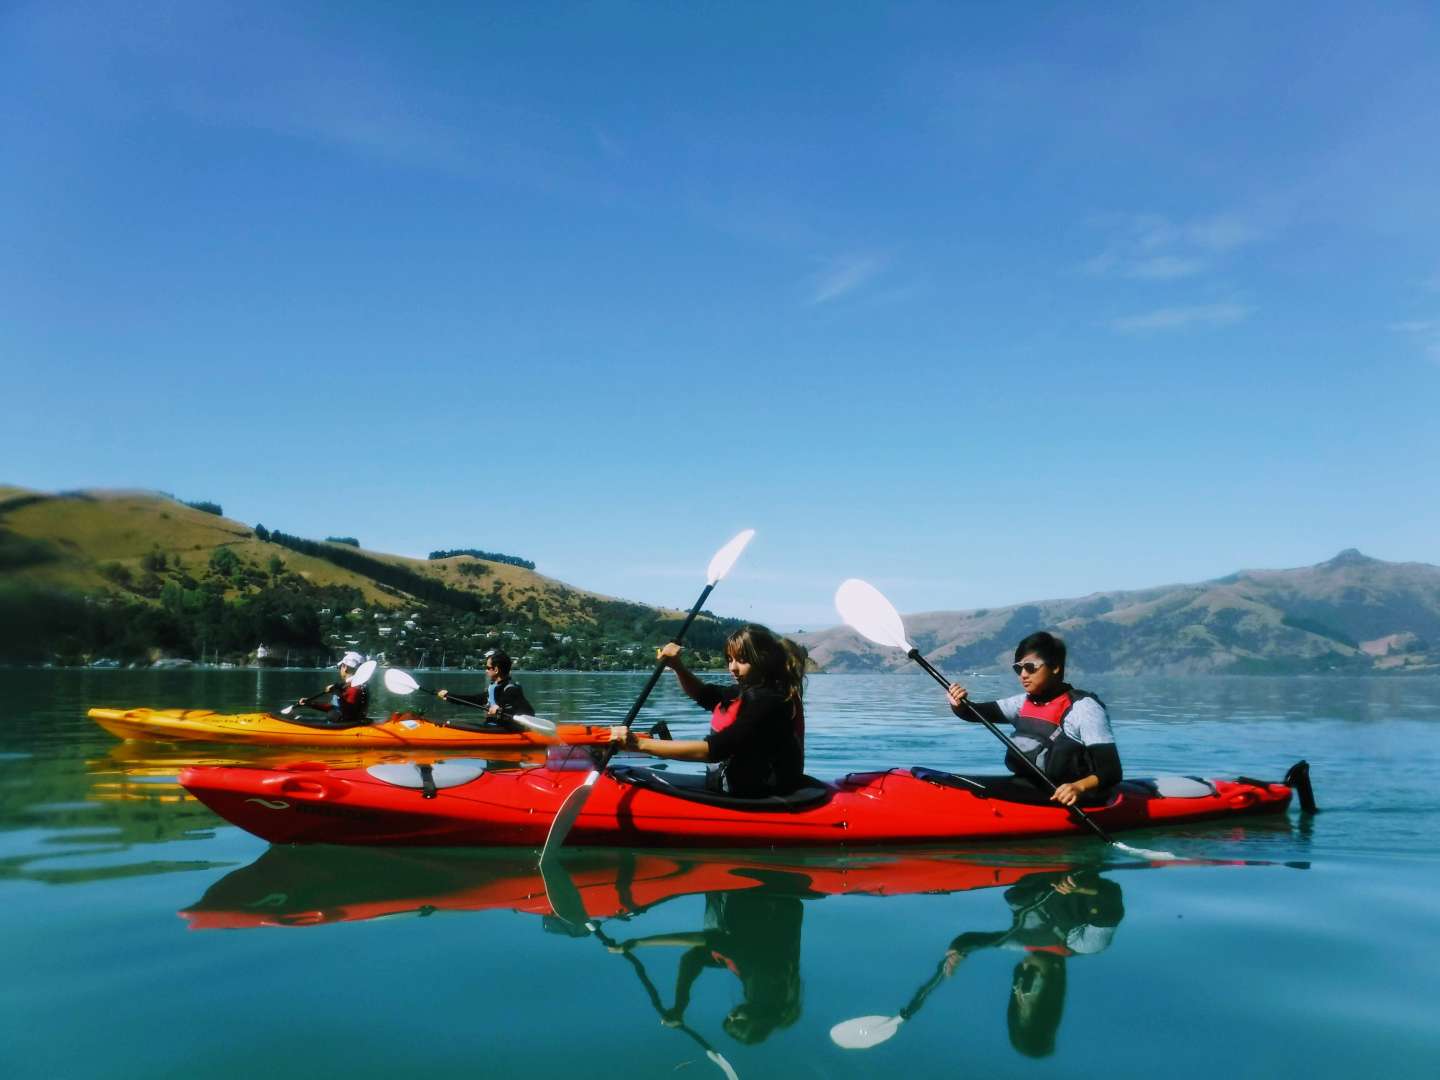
[[775, 662], [1037, 1000], [750, 1024], [501, 660], [1046, 646]]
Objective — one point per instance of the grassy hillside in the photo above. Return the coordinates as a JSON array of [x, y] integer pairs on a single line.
[[162, 578]]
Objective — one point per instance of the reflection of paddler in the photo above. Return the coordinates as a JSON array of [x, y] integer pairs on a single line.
[[756, 935], [1055, 916]]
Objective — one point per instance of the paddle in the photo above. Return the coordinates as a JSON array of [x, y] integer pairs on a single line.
[[866, 611], [866, 1031], [566, 902], [570, 809], [402, 682], [362, 675]]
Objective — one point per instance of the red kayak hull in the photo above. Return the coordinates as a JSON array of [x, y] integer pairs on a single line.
[[302, 805]]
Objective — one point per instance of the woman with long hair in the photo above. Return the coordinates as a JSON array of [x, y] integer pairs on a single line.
[[757, 725]]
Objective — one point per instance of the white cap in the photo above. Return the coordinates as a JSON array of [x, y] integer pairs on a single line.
[[351, 660]]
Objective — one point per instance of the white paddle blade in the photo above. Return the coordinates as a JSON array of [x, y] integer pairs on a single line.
[[1146, 853], [566, 815], [866, 611], [564, 898], [400, 682], [364, 673], [725, 1066], [864, 1031], [544, 728], [727, 556]]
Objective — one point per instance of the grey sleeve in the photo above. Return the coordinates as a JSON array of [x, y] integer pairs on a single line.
[[1089, 723], [1089, 940], [1010, 706], [1003, 711]]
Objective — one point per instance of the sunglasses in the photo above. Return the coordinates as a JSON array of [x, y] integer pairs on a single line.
[[1029, 667]]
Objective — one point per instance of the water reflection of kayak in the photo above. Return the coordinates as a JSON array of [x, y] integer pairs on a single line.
[[464, 804], [400, 731], [291, 887]]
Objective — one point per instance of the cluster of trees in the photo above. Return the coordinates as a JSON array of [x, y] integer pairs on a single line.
[[191, 619], [493, 556], [226, 609], [397, 577]]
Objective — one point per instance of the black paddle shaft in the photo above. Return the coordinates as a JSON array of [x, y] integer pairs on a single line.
[[1035, 770], [308, 701], [660, 667], [649, 986]]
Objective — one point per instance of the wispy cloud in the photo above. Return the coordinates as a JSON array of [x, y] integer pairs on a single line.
[[1151, 247], [1180, 318], [214, 63], [1424, 332], [610, 146], [842, 275]]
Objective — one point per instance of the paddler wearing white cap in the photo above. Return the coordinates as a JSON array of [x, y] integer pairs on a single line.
[[348, 705]]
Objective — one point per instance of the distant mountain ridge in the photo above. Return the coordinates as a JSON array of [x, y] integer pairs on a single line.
[[1350, 614]]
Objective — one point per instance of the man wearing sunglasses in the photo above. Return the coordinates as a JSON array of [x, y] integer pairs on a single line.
[[1065, 731]]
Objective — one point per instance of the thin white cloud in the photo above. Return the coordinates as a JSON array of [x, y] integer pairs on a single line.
[[1180, 318], [1223, 232], [1167, 267], [1424, 332], [1152, 247], [217, 64], [843, 275], [609, 145]]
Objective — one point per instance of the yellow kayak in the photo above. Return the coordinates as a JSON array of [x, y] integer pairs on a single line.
[[401, 731]]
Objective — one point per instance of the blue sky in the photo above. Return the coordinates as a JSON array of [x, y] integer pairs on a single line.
[[984, 303]]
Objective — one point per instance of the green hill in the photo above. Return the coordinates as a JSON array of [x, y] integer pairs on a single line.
[[139, 576]]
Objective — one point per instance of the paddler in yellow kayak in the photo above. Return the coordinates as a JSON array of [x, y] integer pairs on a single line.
[[503, 699], [348, 706]]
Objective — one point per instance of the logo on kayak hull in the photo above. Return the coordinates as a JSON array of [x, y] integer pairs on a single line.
[[270, 804]]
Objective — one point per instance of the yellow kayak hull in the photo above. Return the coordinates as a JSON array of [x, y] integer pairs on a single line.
[[401, 731]]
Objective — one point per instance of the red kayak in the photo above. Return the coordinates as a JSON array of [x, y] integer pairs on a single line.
[[461, 803]]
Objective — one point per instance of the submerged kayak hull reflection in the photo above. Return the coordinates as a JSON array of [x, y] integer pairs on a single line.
[[497, 809], [331, 885]]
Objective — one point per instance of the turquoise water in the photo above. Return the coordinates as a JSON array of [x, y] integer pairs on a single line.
[[144, 937]]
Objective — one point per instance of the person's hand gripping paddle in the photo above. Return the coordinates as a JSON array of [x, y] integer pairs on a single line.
[[402, 682], [570, 809], [363, 674]]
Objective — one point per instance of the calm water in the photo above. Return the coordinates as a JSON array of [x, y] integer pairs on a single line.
[[143, 937]]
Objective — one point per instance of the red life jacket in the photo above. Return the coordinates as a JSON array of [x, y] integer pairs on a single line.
[[1053, 950], [724, 714], [1044, 722], [353, 702]]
